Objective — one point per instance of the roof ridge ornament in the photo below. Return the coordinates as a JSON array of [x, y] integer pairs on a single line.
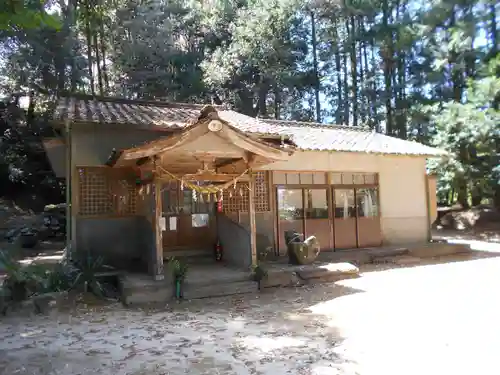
[[215, 126], [208, 111]]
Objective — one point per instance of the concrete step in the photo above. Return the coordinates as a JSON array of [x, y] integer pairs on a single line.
[[384, 255], [198, 290], [135, 291], [293, 275], [142, 297], [401, 260], [191, 256]]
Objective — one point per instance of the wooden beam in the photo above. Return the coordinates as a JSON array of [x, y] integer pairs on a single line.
[[158, 273], [225, 163], [214, 177], [251, 214]]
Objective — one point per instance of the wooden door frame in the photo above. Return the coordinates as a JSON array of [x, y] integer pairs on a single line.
[[344, 187]]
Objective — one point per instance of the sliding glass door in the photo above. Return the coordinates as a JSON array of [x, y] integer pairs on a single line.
[[344, 213], [340, 208], [290, 214], [305, 211], [369, 230], [317, 222]]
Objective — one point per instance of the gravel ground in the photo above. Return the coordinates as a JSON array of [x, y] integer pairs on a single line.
[[438, 318]]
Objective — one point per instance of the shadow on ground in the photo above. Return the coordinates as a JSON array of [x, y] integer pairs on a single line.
[[273, 332]]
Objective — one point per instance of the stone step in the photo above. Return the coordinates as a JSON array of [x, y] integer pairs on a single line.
[[162, 295], [328, 272], [384, 254], [402, 260], [283, 276], [141, 289], [195, 291], [191, 256]]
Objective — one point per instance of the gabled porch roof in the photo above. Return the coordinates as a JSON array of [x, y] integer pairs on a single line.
[[208, 146]]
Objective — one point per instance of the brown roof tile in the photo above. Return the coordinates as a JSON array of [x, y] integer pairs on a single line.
[[306, 136]]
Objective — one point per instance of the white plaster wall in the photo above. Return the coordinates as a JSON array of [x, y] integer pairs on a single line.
[[94, 147], [403, 202]]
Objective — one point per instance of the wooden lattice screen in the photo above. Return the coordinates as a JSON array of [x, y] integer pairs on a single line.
[[103, 191], [236, 199]]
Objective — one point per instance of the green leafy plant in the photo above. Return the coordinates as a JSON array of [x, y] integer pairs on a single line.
[[258, 274], [21, 281], [179, 270], [84, 275], [58, 279]]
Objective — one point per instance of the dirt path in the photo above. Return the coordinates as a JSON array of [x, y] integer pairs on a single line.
[[432, 319]]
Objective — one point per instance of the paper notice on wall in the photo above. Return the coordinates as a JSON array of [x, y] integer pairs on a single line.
[[163, 224], [172, 223]]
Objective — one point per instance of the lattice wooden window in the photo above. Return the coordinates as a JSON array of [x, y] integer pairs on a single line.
[[299, 178], [105, 192], [261, 195], [347, 178], [236, 199]]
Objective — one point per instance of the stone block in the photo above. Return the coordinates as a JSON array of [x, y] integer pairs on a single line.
[[195, 291], [328, 271], [436, 249], [280, 278]]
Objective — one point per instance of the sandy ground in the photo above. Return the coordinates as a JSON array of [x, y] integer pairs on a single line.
[[441, 318]]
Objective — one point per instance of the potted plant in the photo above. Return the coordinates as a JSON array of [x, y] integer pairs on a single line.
[[258, 274], [179, 271]]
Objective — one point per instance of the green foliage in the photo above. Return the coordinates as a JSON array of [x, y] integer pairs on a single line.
[[21, 281], [85, 277], [25, 15], [22, 164], [258, 272], [178, 268], [470, 132], [410, 69]]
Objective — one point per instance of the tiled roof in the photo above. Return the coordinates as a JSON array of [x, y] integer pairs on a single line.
[[306, 136], [145, 114]]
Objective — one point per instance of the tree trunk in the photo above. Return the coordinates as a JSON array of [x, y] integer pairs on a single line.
[[456, 72], [346, 87], [351, 34], [401, 82], [387, 57], [277, 102], [75, 51], [339, 117], [493, 31], [89, 47], [496, 196], [98, 64], [315, 68], [103, 55], [262, 100], [373, 95], [463, 192], [363, 64]]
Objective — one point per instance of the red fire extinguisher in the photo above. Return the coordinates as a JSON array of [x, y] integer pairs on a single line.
[[218, 251], [219, 205]]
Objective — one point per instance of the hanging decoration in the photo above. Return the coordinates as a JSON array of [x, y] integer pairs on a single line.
[[207, 189]]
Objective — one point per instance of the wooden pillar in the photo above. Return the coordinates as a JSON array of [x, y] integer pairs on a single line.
[[251, 214], [158, 273]]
